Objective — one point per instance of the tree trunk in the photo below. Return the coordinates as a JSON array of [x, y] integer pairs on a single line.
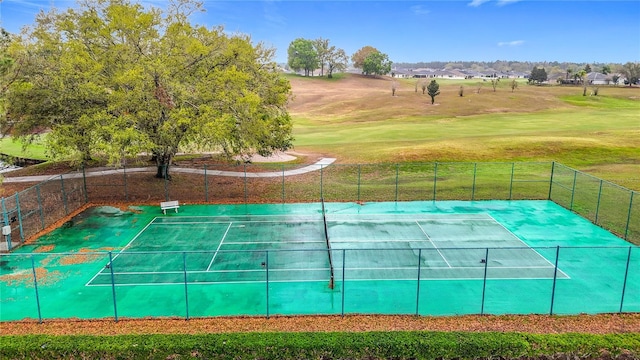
[[162, 163]]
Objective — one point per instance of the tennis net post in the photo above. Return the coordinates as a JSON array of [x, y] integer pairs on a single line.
[[326, 238]]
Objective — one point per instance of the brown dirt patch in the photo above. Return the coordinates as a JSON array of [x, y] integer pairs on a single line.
[[25, 278], [83, 256], [596, 324], [44, 248]]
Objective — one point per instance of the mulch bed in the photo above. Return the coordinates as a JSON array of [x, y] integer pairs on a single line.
[[595, 324]]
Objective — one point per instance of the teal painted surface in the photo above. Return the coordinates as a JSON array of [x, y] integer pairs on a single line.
[[231, 250]]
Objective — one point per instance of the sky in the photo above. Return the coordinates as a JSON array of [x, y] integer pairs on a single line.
[[419, 31]]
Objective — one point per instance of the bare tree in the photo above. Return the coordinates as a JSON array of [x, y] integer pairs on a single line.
[[494, 84], [394, 87], [322, 49], [514, 85]]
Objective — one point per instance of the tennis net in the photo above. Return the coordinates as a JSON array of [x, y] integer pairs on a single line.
[[326, 237]]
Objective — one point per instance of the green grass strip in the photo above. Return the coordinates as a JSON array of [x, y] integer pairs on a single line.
[[368, 345]]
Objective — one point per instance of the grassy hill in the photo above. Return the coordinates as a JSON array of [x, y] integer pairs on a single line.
[[356, 119]]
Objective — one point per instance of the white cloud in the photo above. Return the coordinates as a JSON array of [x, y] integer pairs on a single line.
[[419, 10], [476, 3], [272, 14], [507, 2], [511, 43]]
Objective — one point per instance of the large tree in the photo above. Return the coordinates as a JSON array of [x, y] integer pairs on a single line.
[[322, 50], [337, 60], [302, 55], [538, 75], [117, 78], [9, 72], [359, 56], [632, 72], [376, 63]]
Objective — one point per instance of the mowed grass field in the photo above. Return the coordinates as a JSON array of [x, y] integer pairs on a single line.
[[357, 120]]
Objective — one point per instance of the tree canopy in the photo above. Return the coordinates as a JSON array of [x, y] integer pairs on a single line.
[[302, 55], [376, 63], [113, 77], [359, 56], [433, 90], [632, 72], [538, 75]]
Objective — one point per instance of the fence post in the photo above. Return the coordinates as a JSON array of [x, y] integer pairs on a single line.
[[321, 181], [19, 218], [266, 267], [245, 184], [484, 281], [626, 230], [418, 284], [553, 168], [555, 277], [359, 175], [473, 186], [113, 287], [35, 286], [573, 189], [624, 284], [186, 292], [166, 186], [40, 206], [206, 185], [513, 165], [124, 178], [397, 171], [5, 218], [283, 201], [435, 180], [84, 185], [598, 204], [64, 196], [343, 280]]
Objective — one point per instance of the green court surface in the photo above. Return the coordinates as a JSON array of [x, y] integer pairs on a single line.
[[426, 258]]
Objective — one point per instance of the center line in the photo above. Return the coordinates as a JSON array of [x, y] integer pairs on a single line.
[[219, 245], [432, 243]]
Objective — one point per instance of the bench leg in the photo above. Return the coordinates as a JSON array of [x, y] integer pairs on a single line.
[[176, 210]]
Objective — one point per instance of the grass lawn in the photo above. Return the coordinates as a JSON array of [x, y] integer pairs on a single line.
[[357, 120], [14, 148]]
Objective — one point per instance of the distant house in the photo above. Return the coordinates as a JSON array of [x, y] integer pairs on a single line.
[[401, 73], [596, 78]]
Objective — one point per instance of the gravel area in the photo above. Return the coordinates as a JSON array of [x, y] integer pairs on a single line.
[[595, 324]]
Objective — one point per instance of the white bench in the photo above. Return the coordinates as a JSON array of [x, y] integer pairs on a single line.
[[166, 205]]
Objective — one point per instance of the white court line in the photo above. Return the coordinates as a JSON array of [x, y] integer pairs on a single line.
[[216, 271], [122, 250], [323, 269], [298, 221], [219, 245], [432, 243], [274, 242], [220, 282], [390, 240], [525, 244]]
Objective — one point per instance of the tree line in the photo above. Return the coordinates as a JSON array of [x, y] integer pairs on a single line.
[[310, 55], [630, 70]]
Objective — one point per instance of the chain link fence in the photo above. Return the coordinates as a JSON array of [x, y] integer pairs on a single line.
[[608, 205]]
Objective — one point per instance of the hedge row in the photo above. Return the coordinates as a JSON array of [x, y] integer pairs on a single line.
[[325, 346]]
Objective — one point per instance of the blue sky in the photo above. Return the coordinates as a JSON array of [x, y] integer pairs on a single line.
[[413, 31]]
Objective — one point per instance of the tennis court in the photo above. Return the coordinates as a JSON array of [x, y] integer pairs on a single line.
[[422, 257]]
